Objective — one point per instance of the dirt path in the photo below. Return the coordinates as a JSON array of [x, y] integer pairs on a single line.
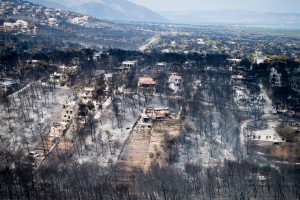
[[136, 149]]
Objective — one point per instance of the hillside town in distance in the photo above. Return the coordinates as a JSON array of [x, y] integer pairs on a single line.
[[97, 109]]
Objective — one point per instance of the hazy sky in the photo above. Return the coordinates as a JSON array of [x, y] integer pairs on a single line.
[[290, 6]]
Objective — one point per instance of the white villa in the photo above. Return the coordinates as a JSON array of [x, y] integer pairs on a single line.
[[234, 60], [175, 79], [161, 64], [56, 77], [268, 134], [132, 63], [9, 85]]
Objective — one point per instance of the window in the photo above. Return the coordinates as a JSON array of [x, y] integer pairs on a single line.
[[258, 137]]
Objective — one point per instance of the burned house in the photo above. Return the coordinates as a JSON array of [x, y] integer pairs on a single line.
[[147, 84], [149, 115], [61, 125], [68, 111]]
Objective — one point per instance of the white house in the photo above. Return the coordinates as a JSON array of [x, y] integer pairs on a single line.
[[259, 58], [108, 77], [237, 79], [268, 135], [175, 79], [9, 85], [161, 64], [97, 56], [32, 63], [132, 63], [200, 41], [234, 60], [56, 77]]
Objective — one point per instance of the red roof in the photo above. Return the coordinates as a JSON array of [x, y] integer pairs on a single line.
[[147, 81]]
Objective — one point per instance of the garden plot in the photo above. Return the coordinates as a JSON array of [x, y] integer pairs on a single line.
[[148, 145], [163, 132]]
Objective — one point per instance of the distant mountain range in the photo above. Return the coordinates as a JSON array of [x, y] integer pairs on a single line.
[[124, 10], [235, 17], [105, 9]]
